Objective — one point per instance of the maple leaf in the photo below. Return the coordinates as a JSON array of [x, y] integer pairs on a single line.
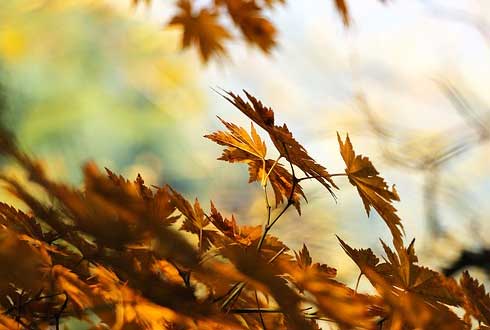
[[159, 204], [306, 269], [245, 235], [201, 29], [195, 219], [362, 257], [417, 295], [247, 15], [243, 146], [401, 270], [305, 263], [22, 223], [408, 310], [250, 149], [372, 188], [282, 138], [265, 275], [477, 300], [333, 299]]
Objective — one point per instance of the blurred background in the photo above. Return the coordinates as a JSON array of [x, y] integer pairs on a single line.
[[108, 81]]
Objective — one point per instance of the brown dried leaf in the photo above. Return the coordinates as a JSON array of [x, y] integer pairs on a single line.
[[195, 220], [250, 149], [257, 29], [282, 138], [201, 29], [477, 300], [362, 257], [372, 188]]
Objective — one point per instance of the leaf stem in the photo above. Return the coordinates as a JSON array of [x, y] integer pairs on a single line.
[[290, 202], [264, 179], [321, 176], [357, 282]]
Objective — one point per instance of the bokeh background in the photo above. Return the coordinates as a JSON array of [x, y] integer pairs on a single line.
[[106, 81]]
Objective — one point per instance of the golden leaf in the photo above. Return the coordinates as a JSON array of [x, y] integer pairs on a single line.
[[195, 220], [362, 257], [372, 188], [250, 149], [282, 138]]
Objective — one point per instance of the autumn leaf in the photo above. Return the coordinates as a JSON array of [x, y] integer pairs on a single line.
[[283, 140], [305, 263], [372, 188], [245, 235], [195, 219], [416, 295], [13, 218], [265, 274], [243, 147], [362, 257], [333, 299], [408, 310], [400, 270], [477, 300], [202, 30], [250, 149], [247, 15]]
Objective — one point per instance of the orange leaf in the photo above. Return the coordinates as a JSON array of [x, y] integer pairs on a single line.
[[247, 15], [201, 29], [282, 138], [250, 149], [477, 300]]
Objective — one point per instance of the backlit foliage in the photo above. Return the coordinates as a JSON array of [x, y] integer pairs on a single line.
[[204, 27], [122, 254]]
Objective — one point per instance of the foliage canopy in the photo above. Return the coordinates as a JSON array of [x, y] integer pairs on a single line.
[[123, 255]]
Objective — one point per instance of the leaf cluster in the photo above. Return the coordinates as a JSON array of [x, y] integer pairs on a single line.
[[204, 26], [120, 254]]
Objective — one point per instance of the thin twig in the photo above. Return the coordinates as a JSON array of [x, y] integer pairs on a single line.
[[277, 255], [321, 176], [233, 295], [357, 282], [290, 202], [264, 179]]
